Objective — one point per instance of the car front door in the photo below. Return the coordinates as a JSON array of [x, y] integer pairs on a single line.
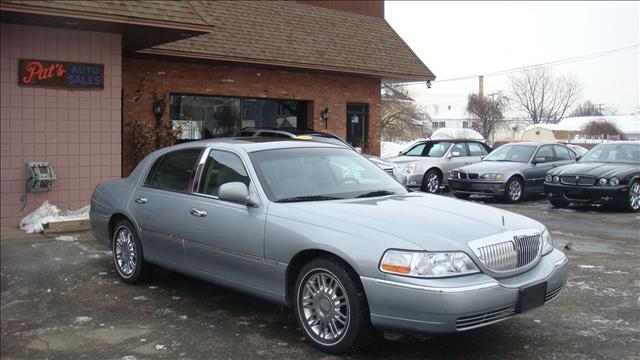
[[157, 205], [543, 161], [224, 240], [458, 156]]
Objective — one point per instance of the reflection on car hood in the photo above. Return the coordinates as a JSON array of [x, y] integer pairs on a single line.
[[494, 167], [605, 170], [432, 222]]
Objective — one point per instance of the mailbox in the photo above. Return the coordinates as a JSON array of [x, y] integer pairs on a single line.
[[40, 176]]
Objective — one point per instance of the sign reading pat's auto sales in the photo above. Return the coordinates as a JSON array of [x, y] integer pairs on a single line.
[[60, 74]]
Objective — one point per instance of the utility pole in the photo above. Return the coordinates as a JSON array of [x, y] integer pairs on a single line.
[[481, 86]]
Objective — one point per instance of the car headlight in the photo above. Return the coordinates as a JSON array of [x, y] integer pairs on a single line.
[[602, 181], [427, 264], [614, 181], [492, 176], [547, 243], [548, 178], [410, 169], [556, 179]]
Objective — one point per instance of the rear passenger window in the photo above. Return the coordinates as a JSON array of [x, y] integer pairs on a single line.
[[222, 167], [173, 170], [563, 153], [476, 149]]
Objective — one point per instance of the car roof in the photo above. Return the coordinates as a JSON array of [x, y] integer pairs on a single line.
[[251, 144], [534, 143]]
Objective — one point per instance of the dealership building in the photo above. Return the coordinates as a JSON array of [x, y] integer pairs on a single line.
[[79, 78]]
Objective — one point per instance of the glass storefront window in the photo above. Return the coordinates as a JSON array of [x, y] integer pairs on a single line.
[[202, 117]]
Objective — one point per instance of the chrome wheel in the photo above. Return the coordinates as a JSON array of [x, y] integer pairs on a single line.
[[515, 190], [324, 307], [433, 182], [124, 252], [634, 196]]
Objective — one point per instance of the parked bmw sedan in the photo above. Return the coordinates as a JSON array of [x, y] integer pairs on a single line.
[[323, 230], [511, 171], [427, 163], [608, 174]]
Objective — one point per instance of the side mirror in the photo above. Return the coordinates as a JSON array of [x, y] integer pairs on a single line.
[[455, 153], [399, 153], [359, 150], [235, 192], [578, 158], [539, 160], [482, 157]]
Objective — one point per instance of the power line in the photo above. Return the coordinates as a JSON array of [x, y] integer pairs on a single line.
[[542, 65]]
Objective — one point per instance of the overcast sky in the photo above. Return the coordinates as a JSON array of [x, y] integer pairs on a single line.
[[456, 39]]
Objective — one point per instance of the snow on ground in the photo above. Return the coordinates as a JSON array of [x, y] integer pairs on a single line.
[[68, 237], [47, 212]]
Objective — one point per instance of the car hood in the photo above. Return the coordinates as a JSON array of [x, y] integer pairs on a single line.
[[605, 170], [494, 167], [381, 163], [431, 222], [401, 160]]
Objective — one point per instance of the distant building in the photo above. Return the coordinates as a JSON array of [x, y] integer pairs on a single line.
[[571, 129], [454, 118]]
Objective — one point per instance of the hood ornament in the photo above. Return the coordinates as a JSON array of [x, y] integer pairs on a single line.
[[504, 227]]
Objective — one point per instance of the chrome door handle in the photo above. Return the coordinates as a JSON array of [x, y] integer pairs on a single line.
[[198, 212], [141, 200]]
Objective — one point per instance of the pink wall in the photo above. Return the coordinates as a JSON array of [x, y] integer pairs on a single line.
[[77, 131]]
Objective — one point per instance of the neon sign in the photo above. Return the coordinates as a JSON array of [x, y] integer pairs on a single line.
[[60, 74]]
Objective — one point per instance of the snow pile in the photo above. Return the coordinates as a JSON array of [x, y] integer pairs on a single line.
[[33, 223]]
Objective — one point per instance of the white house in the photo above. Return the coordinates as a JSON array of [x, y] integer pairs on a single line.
[[453, 118]]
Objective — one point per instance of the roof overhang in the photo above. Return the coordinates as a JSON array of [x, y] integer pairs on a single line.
[[136, 33], [386, 77]]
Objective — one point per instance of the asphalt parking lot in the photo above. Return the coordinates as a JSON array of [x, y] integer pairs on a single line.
[[61, 299]]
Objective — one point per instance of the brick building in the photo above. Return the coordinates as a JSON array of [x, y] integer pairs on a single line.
[[212, 67]]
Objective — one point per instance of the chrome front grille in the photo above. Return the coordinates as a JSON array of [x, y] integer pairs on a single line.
[[578, 180], [477, 320], [510, 255]]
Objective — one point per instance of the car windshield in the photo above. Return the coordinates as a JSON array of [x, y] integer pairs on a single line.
[[614, 153], [513, 153], [308, 174]]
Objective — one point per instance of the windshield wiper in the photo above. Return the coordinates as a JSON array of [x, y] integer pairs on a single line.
[[376, 193], [307, 198]]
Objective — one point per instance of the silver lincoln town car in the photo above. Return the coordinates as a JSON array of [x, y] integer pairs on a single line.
[[320, 228]]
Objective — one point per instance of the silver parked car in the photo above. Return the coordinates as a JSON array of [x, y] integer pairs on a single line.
[[321, 229], [426, 164], [510, 172]]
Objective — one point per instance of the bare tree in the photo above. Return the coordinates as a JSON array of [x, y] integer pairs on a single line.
[[488, 112], [603, 129], [587, 109], [402, 119], [545, 97]]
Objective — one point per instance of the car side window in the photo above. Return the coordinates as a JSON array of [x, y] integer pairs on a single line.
[[563, 153], [416, 150], [459, 148], [545, 152], [476, 149], [220, 168], [173, 171]]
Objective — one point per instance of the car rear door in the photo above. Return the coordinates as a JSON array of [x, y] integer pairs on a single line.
[[564, 155], [536, 173], [460, 159], [157, 205], [224, 241]]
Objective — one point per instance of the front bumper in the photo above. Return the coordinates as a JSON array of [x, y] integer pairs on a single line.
[[606, 195], [457, 303], [490, 188], [411, 181]]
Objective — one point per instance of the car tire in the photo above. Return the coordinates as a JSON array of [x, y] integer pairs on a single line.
[[461, 196], [331, 307], [127, 253], [514, 190], [431, 182], [633, 197], [558, 203]]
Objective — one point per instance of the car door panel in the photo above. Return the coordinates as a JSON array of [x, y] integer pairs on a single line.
[[536, 173], [224, 240]]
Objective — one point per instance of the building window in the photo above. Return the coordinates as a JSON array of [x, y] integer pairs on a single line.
[[203, 117], [438, 124], [465, 124]]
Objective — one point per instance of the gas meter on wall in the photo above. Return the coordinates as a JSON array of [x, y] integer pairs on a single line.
[[40, 176]]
